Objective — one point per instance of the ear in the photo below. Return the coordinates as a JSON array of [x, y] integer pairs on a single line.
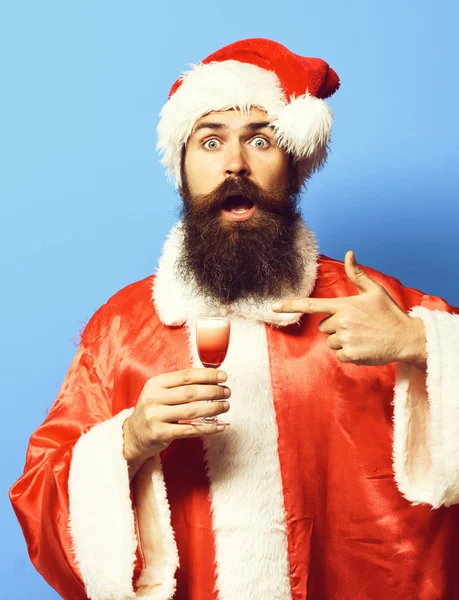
[[303, 169], [295, 178], [183, 188], [182, 161]]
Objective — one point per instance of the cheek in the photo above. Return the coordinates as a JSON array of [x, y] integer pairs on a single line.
[[201, 174], [190, 171], [275, 171]]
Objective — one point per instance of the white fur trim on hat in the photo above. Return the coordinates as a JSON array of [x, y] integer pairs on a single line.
[[303, 128], [302, 124]]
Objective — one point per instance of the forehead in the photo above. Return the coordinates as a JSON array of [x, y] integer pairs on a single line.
[[234, 119]]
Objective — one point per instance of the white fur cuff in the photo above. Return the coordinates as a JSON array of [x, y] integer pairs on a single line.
[[101, 515], [426, 416]]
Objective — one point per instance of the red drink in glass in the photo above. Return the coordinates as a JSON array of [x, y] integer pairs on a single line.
[[212, 339]]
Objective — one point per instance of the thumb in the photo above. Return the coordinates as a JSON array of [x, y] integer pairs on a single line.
[[363, 282]]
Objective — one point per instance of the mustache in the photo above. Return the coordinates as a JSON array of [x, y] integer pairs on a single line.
[[274, 201]]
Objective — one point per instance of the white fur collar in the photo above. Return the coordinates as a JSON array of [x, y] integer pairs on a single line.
[[176, 303]]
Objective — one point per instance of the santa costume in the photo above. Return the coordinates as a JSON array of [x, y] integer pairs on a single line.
[[324, 485]]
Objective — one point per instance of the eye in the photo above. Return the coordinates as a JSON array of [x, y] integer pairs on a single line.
[[212, 144], [259, 142]]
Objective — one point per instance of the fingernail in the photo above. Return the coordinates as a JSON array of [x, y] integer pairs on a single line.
[[276, 306], [220, 428], [222, 376], [227, 392], [225, 405]]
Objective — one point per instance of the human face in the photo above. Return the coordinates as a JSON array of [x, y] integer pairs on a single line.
[[230, 144], [239, 215]]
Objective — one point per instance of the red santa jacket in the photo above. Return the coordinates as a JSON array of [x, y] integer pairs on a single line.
[[346, 532]]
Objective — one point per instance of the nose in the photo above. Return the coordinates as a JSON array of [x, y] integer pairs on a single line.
[[236, 162]]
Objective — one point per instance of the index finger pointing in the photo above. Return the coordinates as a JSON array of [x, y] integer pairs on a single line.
[[327, 306]]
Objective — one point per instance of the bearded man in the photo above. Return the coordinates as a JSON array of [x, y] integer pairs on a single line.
[[340, 386]]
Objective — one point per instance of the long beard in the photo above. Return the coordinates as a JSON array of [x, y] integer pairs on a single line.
[[230, 260]]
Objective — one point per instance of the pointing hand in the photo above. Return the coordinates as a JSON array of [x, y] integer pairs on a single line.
[[367, 329]]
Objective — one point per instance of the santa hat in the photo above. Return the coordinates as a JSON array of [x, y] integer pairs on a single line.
[[260, 73]]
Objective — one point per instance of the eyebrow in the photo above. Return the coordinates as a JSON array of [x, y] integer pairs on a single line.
[[219, 126]]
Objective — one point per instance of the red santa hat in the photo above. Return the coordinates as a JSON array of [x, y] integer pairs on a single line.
[[254, 73]]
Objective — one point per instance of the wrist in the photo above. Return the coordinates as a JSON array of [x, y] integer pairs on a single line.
[[131, 451], [414, 350]]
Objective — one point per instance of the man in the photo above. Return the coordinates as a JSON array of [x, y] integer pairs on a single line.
[[319, 488]]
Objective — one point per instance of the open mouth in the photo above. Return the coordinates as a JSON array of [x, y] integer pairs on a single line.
[[238, 208]]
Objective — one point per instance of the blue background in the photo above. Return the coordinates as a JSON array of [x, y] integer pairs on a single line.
[[85, 206]]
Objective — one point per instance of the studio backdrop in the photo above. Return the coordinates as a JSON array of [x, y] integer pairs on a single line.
[[85, 205]]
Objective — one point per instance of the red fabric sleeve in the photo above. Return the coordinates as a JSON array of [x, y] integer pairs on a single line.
[[40, 497]]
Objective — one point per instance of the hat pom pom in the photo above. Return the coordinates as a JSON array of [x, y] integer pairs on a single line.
[[303, 128]]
